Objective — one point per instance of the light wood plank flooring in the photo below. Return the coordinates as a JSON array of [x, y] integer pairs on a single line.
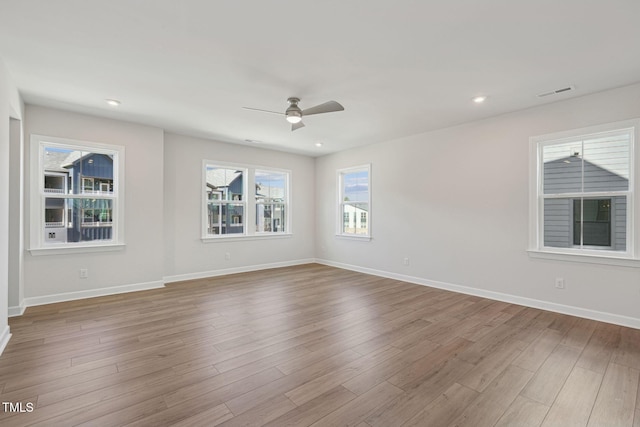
[[314, 345]]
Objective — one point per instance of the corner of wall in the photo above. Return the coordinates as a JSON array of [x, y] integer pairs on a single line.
[[5, 336]]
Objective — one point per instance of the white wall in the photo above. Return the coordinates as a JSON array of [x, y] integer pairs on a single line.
[[455, 202], [10, 107], [49, 278], [186, 256]]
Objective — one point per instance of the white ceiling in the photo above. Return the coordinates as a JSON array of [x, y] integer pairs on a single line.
[[399, 67]]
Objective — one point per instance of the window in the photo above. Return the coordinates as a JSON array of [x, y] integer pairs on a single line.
[[225, 189], [230, 210], [76, 193], [271, 201], [582, 191], [354, 202], [87, 185]]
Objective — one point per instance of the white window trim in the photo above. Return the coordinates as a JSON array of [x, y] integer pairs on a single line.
[[249, 220], [37, 197], [339, 213], [630, 257]]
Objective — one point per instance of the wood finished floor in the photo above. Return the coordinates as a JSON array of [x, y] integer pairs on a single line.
[[314, 345]]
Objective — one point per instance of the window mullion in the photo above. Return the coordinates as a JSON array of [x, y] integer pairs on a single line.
[[581, 222], [582, 197]]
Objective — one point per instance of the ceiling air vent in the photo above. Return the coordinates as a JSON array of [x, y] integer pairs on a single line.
[[555, 92]]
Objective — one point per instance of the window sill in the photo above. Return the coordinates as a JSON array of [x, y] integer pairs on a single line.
[[585, 258], [354, 237], [64, 250], [231, 238]]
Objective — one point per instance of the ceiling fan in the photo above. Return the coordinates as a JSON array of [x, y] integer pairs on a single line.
[[294, 114]]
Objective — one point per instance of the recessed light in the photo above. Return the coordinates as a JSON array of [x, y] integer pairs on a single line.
[[113, 102], [252, 141], [479, 99], [318, 144]]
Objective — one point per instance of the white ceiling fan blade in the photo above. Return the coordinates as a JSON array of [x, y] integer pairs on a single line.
[[263, 111], [297, 126], [327, 107]]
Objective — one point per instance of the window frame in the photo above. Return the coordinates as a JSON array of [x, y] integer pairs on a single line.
[[340, 218], [592, 254], [38, 196], [249, 220]]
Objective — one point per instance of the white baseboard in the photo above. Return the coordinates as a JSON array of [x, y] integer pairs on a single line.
[[498, 296], [235, 270], [70, 296], [17, 310], [4, 338]]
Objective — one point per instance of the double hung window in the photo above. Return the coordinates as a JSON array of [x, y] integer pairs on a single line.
[[76, 194], [354, 202], [225, 191], [271, 201], [583, 192]]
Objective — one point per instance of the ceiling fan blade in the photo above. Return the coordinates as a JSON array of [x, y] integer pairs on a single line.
[[263, 111], [327, 107], [297, 126]]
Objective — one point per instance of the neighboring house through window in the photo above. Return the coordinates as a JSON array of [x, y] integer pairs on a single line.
[[354, 202], [582, 191]]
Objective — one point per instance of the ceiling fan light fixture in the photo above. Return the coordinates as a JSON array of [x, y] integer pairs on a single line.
[[294, 117]]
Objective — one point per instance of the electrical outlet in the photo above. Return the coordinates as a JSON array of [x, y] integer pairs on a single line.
[[227, 256], [405, 261], [84, 273], [559, 283]]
